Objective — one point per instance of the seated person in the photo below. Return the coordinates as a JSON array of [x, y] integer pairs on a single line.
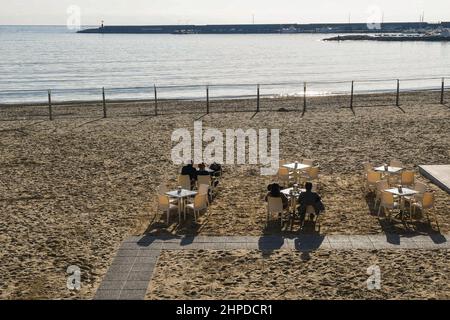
[[275, 192], [309, 198], [202, 170], [189, 170], [217, 168]]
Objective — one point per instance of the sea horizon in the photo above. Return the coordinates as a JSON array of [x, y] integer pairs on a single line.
[[75, 66]]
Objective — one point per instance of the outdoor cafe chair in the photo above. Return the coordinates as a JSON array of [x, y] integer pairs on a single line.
[[372, 178], [165, 206], [388, 204], [275, 205], [407, 178], [426, 204], [184, 181], [199, 204]]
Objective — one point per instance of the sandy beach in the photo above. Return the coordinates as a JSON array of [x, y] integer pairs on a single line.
[[72, 189], [291, 275]]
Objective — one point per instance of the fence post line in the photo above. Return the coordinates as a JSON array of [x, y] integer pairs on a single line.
[[50, 111], [442, 90], [351, 96], [156, 100], [104, 102], [397, 100], [207, 99], [304, 96], [257, 98]]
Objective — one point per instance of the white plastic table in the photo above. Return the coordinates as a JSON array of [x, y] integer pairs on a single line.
[[299, 167], [292, 196], [391, 170], [181, 196], [405, 193]]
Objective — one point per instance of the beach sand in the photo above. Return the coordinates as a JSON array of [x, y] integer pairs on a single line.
[[292, 275], [72, 189]]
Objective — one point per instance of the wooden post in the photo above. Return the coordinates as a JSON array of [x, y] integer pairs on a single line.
[[442, 90], [257, 98], [104, 102], [304, 97], [156, 100], [50, 111], [207, 99], [397, 100], [351, 95]]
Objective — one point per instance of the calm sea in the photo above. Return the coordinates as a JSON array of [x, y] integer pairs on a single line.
[[76, 66]]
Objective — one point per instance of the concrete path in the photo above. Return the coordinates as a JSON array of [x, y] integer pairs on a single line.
[[439, 175], [130, 273]]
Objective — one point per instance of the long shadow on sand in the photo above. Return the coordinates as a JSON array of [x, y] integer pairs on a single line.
[[186, 231]]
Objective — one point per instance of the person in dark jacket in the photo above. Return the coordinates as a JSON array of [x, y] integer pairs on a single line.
[[309, 198], [202, 170], [275, 192], [190, 170], [217, 168]]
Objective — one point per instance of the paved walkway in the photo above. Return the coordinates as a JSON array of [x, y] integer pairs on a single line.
[[130, 273], [439, 175]]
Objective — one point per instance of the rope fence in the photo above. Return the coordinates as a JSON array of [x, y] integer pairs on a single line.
[[157, 100]]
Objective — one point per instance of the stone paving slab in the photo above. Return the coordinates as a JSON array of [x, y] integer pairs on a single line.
[[438, 174], [236, 239], [342, 245], [154, 246], [172, 246], [139, 267], [127, 252], [132, 268], [115, 276], [338, 238], [362, 243], [252, 246], [120, 268], [139, 275], [134, 294], [236, 245], [214, 246], [148, 253], [107, 294], [123, 260], [113, 285]]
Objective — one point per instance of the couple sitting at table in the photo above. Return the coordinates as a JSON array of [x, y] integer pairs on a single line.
[[193, 173], [305, 199]]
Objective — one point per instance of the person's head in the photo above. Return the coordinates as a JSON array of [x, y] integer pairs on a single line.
[[190, 163], [275, 189], [201, 166], [308, 186]]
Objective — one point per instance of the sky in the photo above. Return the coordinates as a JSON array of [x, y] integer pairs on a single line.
[[138, 12]]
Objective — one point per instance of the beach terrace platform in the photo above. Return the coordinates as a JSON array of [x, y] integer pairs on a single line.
[[438, 174]]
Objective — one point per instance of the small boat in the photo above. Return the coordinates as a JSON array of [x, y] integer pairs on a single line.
[[291, 29], [183, 31]]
